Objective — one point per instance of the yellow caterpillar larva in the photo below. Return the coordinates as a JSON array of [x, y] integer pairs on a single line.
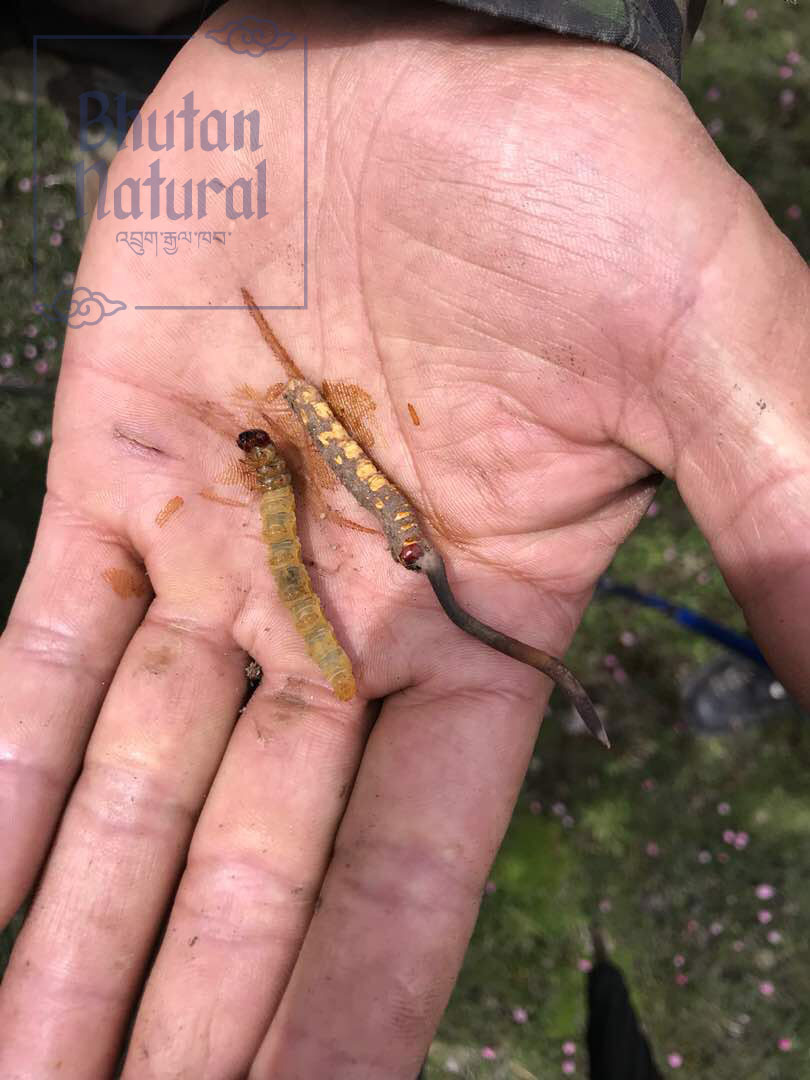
[[408, 544], [358, 473], [280, 535]]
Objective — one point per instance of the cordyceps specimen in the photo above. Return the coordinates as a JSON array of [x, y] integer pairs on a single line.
[[358, 473], [277, 508]]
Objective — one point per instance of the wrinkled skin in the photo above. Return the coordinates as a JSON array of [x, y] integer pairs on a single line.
[[531, 240]]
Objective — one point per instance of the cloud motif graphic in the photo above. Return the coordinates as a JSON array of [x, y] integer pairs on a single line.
[[251, 36], [84, 308]]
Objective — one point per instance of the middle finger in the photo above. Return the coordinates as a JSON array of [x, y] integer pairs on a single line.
[[254, 871]]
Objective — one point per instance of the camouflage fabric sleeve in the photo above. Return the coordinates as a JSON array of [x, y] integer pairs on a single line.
[[658, 30]]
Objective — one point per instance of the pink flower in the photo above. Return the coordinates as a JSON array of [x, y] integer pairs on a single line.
[[785, 71], [488, 1054], [794, 212], [724, 808], [674, 1061], [520, 1016], [29, 351], [55, 239], [610, 661], [716, 928], [49, 343], [30, 330], [715, 127], [6, 360], [68, 278], [648, 784], [36, 438], [653, 509], [729, 836], [704, 857], [41, 366], [692, 926], [584, 965], [605, 906], [713, 94], [767, 989], [569, 1068], [764, 892], [774, 937], [741, 840], [490, 888], [569, 1047], [764, 916], [681, 978], [653, 850], [620, 676], [628, 639], [793, 57], [785, 1045], [679, 960], [58, 224], [787, 97], [722, 856], [25, 184]]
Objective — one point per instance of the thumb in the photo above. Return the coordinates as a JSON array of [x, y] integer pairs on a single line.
[[737, 386]]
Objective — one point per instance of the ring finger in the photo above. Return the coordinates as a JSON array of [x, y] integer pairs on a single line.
[[80, 957]]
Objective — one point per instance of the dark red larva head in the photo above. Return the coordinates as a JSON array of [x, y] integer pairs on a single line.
[[411, 554], [253, 439]]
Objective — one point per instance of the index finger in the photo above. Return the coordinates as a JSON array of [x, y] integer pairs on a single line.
[[432, 801]]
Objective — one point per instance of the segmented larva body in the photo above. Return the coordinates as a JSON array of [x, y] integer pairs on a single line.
[[357, 472], [279, 532]]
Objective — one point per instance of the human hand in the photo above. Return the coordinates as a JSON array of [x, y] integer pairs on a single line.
[[533, 242]]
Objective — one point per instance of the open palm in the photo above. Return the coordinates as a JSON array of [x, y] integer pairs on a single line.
[[532, 283]]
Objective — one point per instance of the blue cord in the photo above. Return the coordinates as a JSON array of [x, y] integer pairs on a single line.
[[699, 624]]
